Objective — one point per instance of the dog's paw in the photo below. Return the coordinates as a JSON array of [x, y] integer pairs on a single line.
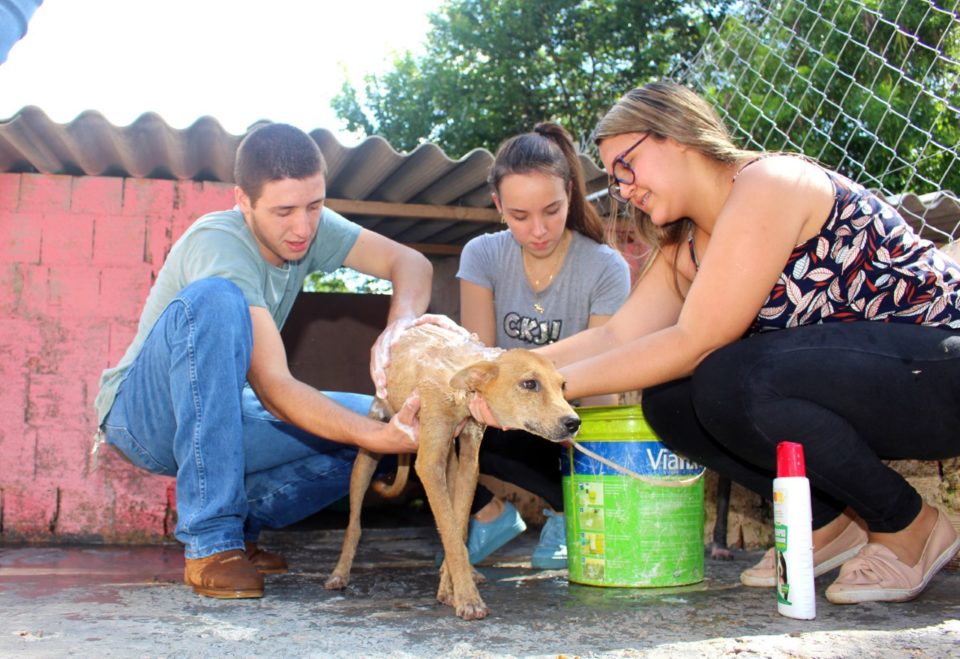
[[473, 610], [478, 577], [718, 553], [445, 594], [336, 582]]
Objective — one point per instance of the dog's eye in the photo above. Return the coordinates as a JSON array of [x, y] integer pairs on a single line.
[[531, 385]]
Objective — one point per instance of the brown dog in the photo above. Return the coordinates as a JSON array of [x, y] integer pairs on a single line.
[[523, 390]]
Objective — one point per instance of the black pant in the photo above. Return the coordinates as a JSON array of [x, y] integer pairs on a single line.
[[523, 459], [851, 393]]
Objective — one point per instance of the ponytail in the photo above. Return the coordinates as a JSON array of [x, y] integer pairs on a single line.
[[549, 149]]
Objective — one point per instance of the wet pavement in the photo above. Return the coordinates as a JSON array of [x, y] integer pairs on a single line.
[[130, 602]]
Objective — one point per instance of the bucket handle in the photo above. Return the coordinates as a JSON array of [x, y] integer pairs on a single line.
[[639, 477]]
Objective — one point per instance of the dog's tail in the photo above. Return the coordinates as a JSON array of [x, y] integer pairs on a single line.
[[392, 490]]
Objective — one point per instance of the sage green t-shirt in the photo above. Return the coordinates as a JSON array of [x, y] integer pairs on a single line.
[[220, 245]]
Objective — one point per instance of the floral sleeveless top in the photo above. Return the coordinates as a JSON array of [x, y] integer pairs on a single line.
[[867, 263]]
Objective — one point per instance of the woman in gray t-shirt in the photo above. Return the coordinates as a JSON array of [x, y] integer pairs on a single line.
[[547, 277]]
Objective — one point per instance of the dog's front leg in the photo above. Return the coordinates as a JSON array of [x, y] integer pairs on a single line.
[[462, 474], [431, 466], [363, 468]]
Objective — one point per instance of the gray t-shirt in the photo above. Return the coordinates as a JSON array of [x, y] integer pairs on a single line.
[[220, 245], [594, 280]]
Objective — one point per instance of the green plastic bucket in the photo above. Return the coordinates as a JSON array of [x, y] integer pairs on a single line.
[[642, 528]]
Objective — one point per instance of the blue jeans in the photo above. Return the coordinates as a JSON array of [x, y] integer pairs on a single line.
[[184, 409]]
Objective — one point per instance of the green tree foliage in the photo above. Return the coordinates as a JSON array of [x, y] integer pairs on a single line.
[[869, 86], [346, 280], [493, 68]]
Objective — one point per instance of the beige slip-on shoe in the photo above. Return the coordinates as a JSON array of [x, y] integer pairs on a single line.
[[842, 548], [877, 575]]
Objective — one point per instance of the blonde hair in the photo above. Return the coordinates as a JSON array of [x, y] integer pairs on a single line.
[[666, 109]]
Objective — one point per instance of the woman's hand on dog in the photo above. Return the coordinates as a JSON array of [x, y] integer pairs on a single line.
[[481, 412]]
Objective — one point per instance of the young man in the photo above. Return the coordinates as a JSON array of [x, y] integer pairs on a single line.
[[204, 392]]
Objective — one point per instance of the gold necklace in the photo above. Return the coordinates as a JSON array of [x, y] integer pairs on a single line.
[[537, 289]]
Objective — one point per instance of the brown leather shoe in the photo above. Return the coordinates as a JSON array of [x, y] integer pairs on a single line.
[[225, 575], [266, 562]]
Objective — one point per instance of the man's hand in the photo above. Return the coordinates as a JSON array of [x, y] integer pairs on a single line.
[[380, 352], [402, 433], [407, 420], [442, 321]]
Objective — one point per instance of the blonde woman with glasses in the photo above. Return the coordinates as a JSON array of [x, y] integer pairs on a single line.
[[783, 302]]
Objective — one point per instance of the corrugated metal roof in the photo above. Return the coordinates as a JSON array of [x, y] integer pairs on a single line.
[[936, 215], [422, 197]]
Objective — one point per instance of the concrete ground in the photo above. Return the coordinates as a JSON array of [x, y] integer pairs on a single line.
[[96, 601]]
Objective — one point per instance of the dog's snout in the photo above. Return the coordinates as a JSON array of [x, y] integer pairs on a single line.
[[572, 424]]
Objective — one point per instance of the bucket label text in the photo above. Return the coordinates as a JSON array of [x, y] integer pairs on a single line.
[[645, 458]]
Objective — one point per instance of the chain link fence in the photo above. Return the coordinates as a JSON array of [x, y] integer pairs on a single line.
[[870, 88]]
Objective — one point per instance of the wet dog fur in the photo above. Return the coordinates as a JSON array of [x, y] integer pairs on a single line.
[[523, 390]]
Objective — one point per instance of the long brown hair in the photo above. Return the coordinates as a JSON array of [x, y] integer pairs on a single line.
[[549, 149], [666, 109]]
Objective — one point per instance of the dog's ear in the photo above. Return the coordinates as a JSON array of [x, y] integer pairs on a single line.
[[475, 376]]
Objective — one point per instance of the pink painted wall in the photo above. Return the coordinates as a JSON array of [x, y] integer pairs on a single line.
[[77, 258]]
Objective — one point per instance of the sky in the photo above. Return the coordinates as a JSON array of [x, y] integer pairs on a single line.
[[238, 61]]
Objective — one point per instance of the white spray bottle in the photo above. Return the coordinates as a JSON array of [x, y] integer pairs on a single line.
[[792, 530]]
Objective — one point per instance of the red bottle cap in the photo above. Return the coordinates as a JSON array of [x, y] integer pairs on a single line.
[[790, 460]]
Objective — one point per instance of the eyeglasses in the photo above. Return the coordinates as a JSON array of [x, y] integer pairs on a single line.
[[623, 173]]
